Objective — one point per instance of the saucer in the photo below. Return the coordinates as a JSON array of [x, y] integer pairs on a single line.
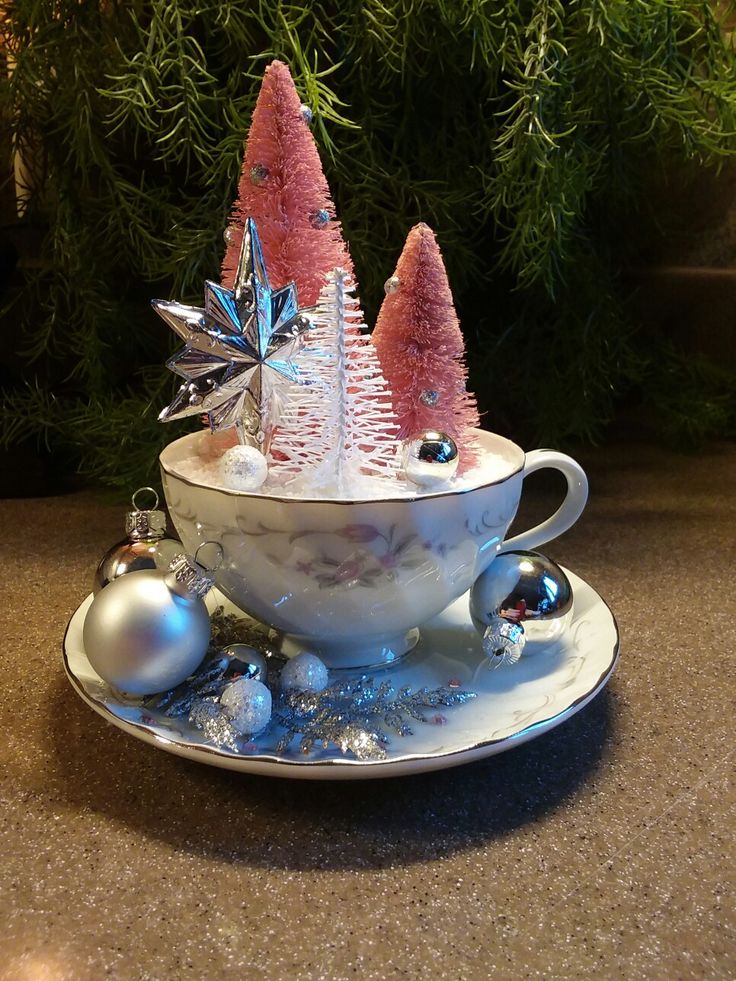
[[514, 703]]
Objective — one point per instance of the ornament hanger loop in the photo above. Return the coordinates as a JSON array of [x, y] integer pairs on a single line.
[[136, 496], [218, 560]]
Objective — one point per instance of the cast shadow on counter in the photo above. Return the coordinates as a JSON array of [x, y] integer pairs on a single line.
[[304, 825]]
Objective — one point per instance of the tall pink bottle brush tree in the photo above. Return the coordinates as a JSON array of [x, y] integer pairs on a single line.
[[421, 348], [283, 187]]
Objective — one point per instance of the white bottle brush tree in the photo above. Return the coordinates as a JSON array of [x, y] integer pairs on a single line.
[[339, 429]]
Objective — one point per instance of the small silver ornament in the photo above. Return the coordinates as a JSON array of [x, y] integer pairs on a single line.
[[305, 672], [229, 234], [146, 632], [246, 662], [429, 397], [503, 642], [522, 587], [430, 458], [320, 218], [147, 545], [247, 704], [391, 285], [306, 113], [258, 174]]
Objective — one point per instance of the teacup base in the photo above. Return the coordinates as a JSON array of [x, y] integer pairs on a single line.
[[353, 654]]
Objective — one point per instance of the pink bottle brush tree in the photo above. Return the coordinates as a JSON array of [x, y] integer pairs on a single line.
[[421, 348], [283, 187]]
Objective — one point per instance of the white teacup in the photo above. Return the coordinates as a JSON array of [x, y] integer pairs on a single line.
[[352, 580]]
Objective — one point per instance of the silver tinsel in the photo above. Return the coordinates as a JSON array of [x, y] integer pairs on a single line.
[[356, 715]]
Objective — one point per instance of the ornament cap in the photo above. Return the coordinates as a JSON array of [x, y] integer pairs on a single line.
[[145, 523], [187, 577]]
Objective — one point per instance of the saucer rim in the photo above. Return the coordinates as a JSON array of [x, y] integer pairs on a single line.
[[331, 768]]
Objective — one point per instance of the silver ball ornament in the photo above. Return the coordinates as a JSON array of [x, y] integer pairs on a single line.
[[148, 631], [305, 672], [242, 468], [247, 704], [147, 545], [522, 587], [258, 174], [320, 218], [429, 397], [229, 235], [430, 458], [391, 285], [306, 113], [246, 661], [503, 642]]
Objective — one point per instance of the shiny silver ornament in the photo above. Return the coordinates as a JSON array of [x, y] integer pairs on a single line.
[[238, 348], [503, 642], [148, 631], [258, 174], [320, 218], [429, 397], [146, 547], [245, 662], [430, 458], [391, 285], [521, 587], [229, 235], [306, 113]]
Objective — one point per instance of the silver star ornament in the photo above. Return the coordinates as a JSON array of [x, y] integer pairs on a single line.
[[238, 348]]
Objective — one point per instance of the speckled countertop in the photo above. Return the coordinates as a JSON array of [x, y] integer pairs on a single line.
[[602, 847]]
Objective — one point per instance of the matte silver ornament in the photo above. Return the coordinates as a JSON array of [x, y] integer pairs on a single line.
[[146, 547], [503, 642], [429, 397], [430, 458], [391, 285], [258, 174], [306, 113], [521, 587], [245, 662], [148, 631]]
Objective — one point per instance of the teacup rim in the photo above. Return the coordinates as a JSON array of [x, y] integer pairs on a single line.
[[431, 496]]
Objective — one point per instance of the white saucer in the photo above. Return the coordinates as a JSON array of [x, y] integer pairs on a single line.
[[514, 703]]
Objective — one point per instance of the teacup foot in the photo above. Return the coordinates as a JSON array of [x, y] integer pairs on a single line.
[[354, 654]]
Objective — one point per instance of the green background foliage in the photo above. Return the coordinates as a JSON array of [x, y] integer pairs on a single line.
[[519, 130]]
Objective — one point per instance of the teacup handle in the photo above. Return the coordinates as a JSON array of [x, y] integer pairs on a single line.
[[567, 513]]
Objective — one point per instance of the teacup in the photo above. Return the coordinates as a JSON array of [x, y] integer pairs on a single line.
[[352, 580]]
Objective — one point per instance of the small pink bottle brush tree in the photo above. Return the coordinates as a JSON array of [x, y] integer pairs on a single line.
[[421, 348], [283, 187]]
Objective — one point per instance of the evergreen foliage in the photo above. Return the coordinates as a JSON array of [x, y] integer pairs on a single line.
[[517, 129]]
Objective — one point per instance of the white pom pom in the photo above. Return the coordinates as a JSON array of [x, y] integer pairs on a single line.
[[305, 672], [242, 468], [247, 704]]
